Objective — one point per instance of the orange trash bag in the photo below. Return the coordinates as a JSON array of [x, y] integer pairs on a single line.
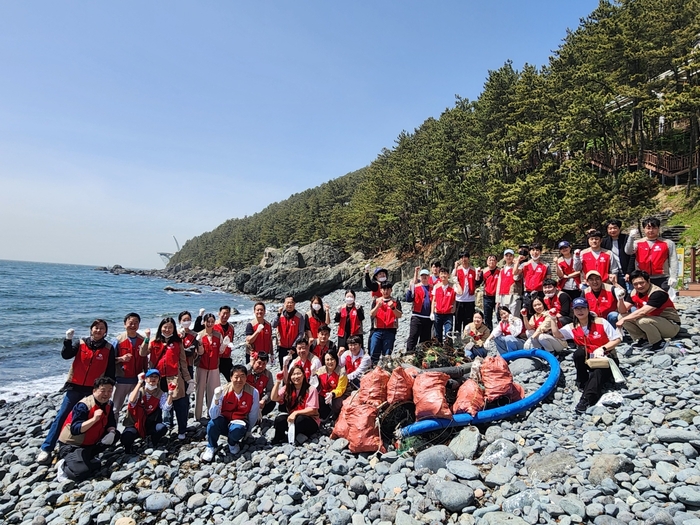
[[373, 387], [340, 429], [496, 377], [400, 385], [516, 393], [363, 432], [429, 396], [470, 398]]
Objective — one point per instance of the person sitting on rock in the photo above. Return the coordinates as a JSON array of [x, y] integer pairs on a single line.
[[594, 337], [539, 330], [318, 315], [147, 403], [385, 313], [323, 343], [93, 357], [602, 297], [506, 334], [290, 327], [88, 431], [234, 411], [474, 336], [332, 382], [299, 405], [655, 317], [349, 317], [261, 379], [306, 360], [356, 361], [557, 300]]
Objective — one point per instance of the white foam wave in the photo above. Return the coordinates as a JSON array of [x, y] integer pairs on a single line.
[[23, 389]]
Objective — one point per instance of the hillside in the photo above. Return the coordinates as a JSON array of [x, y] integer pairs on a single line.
[[542, 154]]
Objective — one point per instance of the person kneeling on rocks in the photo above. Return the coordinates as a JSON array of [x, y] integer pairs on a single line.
[[90, 428], [355, 361], [299, 402], [147, 403], [260, 378], [234, 411]]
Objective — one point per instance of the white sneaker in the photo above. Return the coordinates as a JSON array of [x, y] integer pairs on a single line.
[[181, 437], [208, 454], [234, 449], [60, 474], [43, 457]]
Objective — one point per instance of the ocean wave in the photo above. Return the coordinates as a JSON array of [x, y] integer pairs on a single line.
[[23, 389]]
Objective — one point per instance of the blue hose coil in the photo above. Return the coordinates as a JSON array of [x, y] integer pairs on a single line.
[[494, 414]]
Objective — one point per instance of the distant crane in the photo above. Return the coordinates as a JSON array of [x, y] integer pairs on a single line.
[[166, 256]]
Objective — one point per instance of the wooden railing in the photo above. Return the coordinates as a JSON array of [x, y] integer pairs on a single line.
[[664, 164]]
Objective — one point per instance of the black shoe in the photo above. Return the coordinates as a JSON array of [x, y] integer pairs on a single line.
[[580, 386], [641, 343], [660, 345], [582, 406]]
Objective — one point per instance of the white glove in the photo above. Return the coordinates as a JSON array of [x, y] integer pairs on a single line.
[[108, 439], [260, 328], [201, 311], [69, 334], [599, 352], [142, 376], [432, 316], [190, 386], [672, 282], [328, 398], [291, 434], [217, 393], [230, 346], [634, 233], [577, 253], [620, 292], [367, 267]]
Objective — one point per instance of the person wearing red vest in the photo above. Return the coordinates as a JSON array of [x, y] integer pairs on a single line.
[[474, 337], [594, 337], [189, 339], [323, 343], [88, 431], [655, 317], [332, 383], [260, 378], [443, 305], [93, 357], [355, 361], [508, 290], [318, 315], [385, 314], [557, 300], [490, 279], [306, 360], [349, 317], [596, 258], [602, 297], [207, 375], [569, 278], [435, 272], [532, 273], [419, 293], [506, 334], [258, 333], [233, 412], [465, 283], [654, 255], [299, 406], [374, 284], [147, 404], [128, 361], [538, 328], [226, 330], [290, 327]]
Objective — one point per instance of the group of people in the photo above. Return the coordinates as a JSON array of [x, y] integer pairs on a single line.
[[620, 282]]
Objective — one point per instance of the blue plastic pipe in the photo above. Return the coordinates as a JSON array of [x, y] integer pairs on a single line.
[[494, 414]]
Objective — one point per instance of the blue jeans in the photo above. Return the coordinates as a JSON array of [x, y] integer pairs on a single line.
[[612, 318], [220, 426], [508, 343], [381, 343], [70, 399], [443, 326], [479, 351]]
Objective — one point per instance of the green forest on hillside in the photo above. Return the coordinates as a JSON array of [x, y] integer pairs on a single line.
[[513, 165]]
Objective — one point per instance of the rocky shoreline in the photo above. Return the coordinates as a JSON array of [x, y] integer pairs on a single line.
[[631, 461]]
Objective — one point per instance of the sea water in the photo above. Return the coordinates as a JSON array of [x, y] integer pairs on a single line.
[[40, 301]]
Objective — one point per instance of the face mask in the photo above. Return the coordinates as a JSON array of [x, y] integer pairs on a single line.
[[549, 295], [535, 258], [381, 279], [185, 324], [316, 306], [349, 300], [150, 387]]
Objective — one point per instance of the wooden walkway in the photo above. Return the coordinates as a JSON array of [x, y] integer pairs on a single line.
[[662, 164]]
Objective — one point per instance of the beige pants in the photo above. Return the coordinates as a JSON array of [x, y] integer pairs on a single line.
[[207, 381], [546, 342], [121, 394], [653, 329]]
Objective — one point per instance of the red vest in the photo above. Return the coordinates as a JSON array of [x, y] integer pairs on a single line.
[[552, 303], [444, 299], [642, 301], [297, 404], [288, 330], [419, 297], [601, 264], [328, 382], [88, 365], [234, 408], [534, 277], [652, 258], [228, 332], [467, 279], [475, 335], [490, 280], [94, 433], [165, 357], [505, 328], [144, 408], [355, 324], [595, 339], [321, 351], [314, 324], [136, 364], [351, 363], [384, 317], [605, 303], [259, 382], [538, 320], [306, 366], [568, 269], [263, 343], [209, 360], [187, 341], [506, 281]]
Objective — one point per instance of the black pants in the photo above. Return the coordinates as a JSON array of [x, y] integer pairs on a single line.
[[303, 424], [464, 314], [325, 410], [130, 434], [281, 354], [269, 407], [420, 331], [489, 307], [593, 380], [225, 366], [81, 462], [572, 293]]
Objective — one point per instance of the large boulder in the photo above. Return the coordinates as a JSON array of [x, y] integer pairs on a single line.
[[606, 466], [321, 253]]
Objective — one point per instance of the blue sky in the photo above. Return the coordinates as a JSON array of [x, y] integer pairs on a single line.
[[123, 124]]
